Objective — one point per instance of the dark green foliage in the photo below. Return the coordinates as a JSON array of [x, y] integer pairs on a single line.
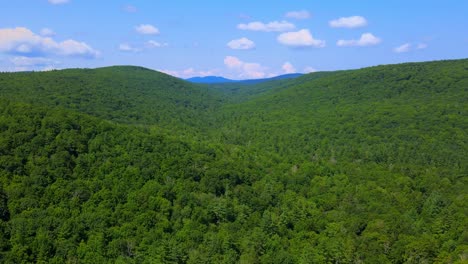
[[127, 165]]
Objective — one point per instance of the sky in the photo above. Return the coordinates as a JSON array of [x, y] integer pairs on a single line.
[[235, 39]]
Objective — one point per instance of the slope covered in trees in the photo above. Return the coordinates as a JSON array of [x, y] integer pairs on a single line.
[[127, 165], [123, 94]]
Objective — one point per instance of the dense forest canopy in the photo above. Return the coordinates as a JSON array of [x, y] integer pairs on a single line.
[[128, 165]]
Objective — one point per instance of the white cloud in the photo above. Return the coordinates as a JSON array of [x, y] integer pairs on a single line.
[[241, 44], [147, 29], [23, 41], [348, 22], [309, 69], [190, 72], [288, 68], [128, 48], [245, 70], [147, 45], [367, 39], [421, 46], [301, 38], [74, 48], [275, 26], [155, 44], [407, 47], [47, 32], [403, 48], [58, 2], [303, 14], [26, 61], [232, 62]]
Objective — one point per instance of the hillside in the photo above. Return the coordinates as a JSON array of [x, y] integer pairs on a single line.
[[123, 94], [128, 165]]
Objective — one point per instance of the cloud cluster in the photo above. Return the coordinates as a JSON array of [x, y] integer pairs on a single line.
[[27, 61], [303, 14], [288, 68], [366, 39], [190, 72], [407, 47], [300, 39], [147, 29], [275, 26], [348, 22], [125, 47], [22, 41], [403, 48], [47, 32], [245, 70], [241, 44], [155, 44], [309, 69]]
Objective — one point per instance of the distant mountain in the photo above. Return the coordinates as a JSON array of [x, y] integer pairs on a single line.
[[279, 77], [218, 79], [209, 79]]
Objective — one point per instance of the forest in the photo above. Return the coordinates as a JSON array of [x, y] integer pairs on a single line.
[[124, 164]]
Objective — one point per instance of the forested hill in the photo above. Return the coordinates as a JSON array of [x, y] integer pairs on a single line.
[[125, 94], [128, 165]]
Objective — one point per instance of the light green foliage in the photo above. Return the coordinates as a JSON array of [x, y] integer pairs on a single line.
[[127, 165]]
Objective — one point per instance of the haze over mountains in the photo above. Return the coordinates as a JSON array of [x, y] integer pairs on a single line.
[[128, 165], [219, 79]]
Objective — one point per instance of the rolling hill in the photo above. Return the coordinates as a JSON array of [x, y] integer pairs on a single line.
[[124, 94], [127, 165]]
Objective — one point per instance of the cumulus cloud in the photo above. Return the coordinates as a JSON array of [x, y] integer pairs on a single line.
[[301, 38], [288, 68], [27, 61], [21, 63], [309, 69], [125, 47], [348, 22], [47, 32], [128, 48], [23, 41], [403, 48], [241, 44], [232, 62], [155, 44], [367, 39], [58, 2], [421, 46], [147, 29], [407, 47], [245, 70], [275, 26], [303, 14], [190, 72]]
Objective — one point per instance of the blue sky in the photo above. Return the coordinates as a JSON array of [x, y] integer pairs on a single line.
[[235, 39]]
